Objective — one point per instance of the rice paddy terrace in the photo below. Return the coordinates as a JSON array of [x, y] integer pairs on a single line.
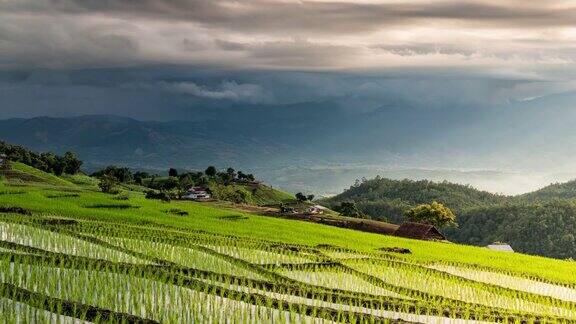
[[69, 254]]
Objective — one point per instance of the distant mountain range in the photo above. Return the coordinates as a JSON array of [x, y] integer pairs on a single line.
[[322, 147]]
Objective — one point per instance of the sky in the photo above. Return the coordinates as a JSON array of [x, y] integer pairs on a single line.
[[166, 60], [503, 37], [90, 56]]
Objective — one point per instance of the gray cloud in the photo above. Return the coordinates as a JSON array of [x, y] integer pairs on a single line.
[[227, 90], [508, 36]]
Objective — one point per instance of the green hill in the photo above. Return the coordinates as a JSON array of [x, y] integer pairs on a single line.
[[91, 256], [566, 190], [266, 195], [22, 173], [388, 199]]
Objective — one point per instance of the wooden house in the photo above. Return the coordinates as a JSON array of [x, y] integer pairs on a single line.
[[420, 232]]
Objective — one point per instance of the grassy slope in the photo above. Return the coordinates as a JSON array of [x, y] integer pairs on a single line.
[[266, 195], [211, 219], [24, 173]]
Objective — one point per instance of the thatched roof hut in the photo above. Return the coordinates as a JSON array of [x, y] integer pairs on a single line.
[[420, 232]]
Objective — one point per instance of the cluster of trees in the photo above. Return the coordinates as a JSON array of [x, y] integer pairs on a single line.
[[177, 184], [47, 162], [349, 208], [545, 228], [300, 197]]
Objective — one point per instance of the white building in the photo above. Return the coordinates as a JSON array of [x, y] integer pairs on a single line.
[[197, 193], [498, 246], [316, 209]]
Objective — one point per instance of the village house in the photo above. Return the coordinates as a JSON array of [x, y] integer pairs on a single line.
[[316, 210], [197, 193], [420, 232]]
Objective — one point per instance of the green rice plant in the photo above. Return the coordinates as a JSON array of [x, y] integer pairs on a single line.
[[512, 282], [187, 257], [59, 243]]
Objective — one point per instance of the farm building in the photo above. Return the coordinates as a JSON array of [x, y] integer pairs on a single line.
[[197, 193], [316, 209], [420, 232], [499, 246]]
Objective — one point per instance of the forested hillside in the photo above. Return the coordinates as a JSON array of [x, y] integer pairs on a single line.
[[565, 190], [546, 228], [542, 222], [387, 199]]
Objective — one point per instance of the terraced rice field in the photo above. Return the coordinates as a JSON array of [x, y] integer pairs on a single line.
[[69, 262]]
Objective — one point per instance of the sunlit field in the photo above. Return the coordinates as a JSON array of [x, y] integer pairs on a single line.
[[69, 253]]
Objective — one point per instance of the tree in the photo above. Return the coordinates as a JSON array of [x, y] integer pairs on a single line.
[[225, 178], [301, 197], [169, 183], [349, 208], [434, 214], [210, 171], [139, 176], [107, 184], [59, 166], [186, 182], [71, 163], [172, 172], [123, 174]]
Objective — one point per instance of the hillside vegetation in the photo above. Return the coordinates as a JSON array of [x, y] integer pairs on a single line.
[[71, 252], [22, 173], [387, 199], [542, 222], [566, 190]]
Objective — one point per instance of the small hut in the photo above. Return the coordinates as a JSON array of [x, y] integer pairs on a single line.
[[420, 232], [500, 246]]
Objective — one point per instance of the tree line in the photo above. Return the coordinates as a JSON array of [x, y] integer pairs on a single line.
[[177, 184], [46, 161]]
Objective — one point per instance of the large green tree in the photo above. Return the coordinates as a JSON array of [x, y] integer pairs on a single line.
[[434, 213]]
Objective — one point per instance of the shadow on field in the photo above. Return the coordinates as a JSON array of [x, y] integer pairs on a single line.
[[233, 217], [15, 210], [113, 206]]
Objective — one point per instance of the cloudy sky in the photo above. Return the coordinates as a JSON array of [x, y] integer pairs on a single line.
[[488, 35], [94, 53]]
